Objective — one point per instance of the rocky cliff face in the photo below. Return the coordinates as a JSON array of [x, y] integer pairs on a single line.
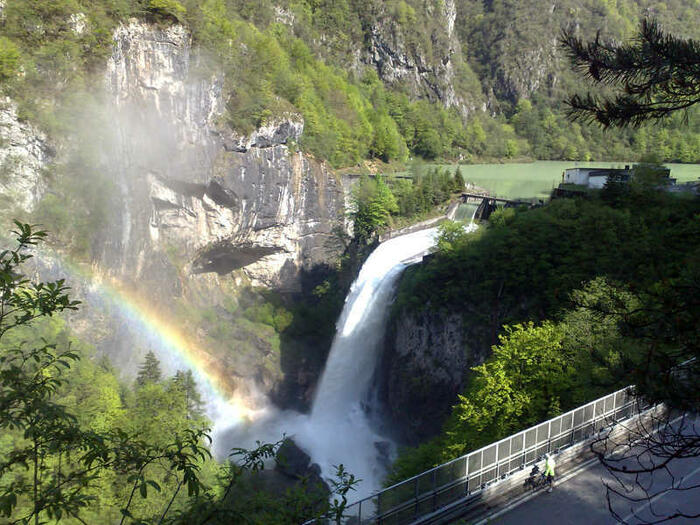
[[522, 66], [219, 200], [24, 156], [202, 210], [196, 212], [426, 69], [426, 358], [514, 46]]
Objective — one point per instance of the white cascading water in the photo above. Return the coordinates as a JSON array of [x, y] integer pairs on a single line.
[[339, 428]]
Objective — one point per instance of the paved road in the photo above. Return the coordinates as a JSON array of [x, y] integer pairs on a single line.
[[581, 500]]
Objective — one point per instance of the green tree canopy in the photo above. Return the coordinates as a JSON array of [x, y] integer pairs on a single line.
[[459, 180], [53, 464], [374, 203]]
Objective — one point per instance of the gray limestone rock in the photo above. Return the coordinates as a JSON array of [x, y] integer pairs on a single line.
[[279, 130], [426, 359], [196, 212], [427, 73], [292, 460], [24, 157], [222, 200]]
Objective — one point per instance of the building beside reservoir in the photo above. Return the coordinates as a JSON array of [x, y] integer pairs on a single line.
[[595, 178], [579, 182]]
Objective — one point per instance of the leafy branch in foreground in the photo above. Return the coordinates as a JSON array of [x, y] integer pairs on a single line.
[[653, 76], [53, 462], [52, 467], [21, 300], [251, 493]]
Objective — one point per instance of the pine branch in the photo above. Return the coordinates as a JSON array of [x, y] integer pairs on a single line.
[[654, 75]]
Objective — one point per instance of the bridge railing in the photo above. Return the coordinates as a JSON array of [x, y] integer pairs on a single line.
[[420, 495]]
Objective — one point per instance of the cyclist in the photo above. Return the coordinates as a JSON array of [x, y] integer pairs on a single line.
[[549, 471]]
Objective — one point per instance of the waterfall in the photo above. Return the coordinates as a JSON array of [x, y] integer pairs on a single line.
[[351, 362], [338, 429], [465, 213]]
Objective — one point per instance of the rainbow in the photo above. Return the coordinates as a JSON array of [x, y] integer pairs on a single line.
[[229, 403]]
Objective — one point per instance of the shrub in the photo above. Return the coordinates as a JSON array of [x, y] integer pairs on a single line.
[[9, 59], [167, 9]]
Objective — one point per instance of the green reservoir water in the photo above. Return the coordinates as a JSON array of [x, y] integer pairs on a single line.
[[536, 179]]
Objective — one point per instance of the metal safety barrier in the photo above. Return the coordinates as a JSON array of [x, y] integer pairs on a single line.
[[407, 501]]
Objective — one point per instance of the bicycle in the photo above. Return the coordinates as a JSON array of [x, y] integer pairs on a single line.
[[533, 481]]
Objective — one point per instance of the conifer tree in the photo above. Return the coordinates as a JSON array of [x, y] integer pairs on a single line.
[[374, 205], [652, 76], [184, 381], [149, 371], [458, 180], [384, 197]]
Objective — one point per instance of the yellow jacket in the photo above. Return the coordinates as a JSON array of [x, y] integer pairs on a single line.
[[549, 466]]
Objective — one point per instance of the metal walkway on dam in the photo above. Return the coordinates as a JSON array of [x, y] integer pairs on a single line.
[[487, 485]]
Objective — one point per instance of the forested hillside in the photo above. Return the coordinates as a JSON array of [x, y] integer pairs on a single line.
[[386, 80]]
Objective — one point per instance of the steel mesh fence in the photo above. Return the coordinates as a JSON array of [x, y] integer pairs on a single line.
[[422, 494]]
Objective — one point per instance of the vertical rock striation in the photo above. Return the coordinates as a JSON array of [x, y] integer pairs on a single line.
[[195, 210]]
